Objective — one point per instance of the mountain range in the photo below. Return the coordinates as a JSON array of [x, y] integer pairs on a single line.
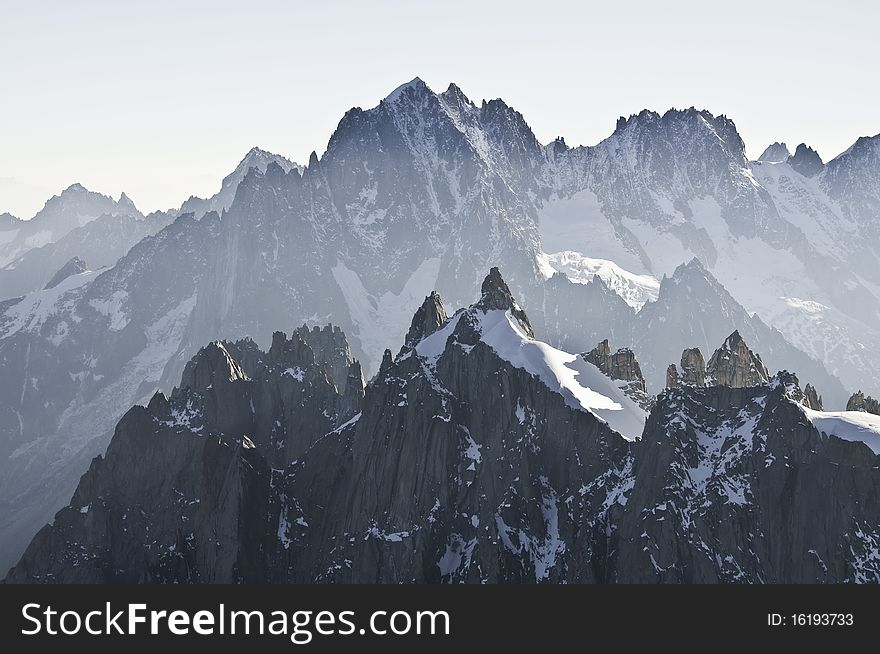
[[662, 237], [477, 454]]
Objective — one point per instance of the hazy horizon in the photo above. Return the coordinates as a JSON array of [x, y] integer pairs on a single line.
[[162, 101]]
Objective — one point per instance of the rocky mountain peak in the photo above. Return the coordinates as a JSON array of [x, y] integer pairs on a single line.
[[559, 146], [330, 349], [791, 389], [735, 365], [260, 159], [812, 399], [213, 364], [293, 351], [455, 96], [126, 204], [689, 127], [496, 295], [860, 402], [692, 371], [73, 267], [693, 367], [255, 161], [621, 365], [429, 317], [410, 89], [806, 161], [775, 153], [686, 275], [387, 363]]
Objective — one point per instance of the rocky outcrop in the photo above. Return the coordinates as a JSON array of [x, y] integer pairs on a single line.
[[860, 402], [430, 317], [735, 365], [621, 365], [673, 379], [72, 267], [331, 349], [496, 295], [693, 368], [806, 161], [812, 399], [692, 371]]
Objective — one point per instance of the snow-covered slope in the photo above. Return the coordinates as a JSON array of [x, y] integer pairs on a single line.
[[634, 289], [855, 426], [580, 383]]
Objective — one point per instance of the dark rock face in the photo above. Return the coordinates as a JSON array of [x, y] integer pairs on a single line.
[[673, 379], [806, 161], [859, 402], [442, 488], [813, 400], [693, 368], [496, 295], [400, 492], [430, 317], [186, 485], [72, 267], [331, 350], [732, 485], [851, 179], [459, 467], [621, 365], [735, 365]]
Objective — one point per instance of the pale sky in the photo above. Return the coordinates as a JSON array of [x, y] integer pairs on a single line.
[[162, 99]]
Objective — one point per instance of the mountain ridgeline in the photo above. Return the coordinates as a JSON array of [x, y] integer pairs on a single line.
[[476, 454], [663, 237]]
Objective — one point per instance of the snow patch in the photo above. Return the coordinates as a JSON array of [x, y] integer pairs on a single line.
[[35, 308], [381, 322], [855, 426], [297, 373], [581, 384]]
